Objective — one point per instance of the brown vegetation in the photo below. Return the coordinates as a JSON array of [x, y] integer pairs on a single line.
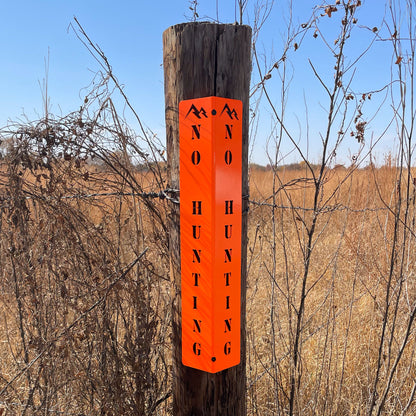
[[353, 290], [331, 304], [85, 305]]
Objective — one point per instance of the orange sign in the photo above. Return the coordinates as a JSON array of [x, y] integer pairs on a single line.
[[210, 141]]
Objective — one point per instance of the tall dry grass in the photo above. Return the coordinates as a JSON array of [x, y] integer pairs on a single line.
[[84, 323], [345, 306], [85, 312], [331, 298]]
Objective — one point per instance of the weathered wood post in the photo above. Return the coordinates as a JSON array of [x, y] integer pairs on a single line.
[[206, 60]]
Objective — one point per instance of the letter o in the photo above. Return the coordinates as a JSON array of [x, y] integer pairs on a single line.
[[196, 157], [228, 157]]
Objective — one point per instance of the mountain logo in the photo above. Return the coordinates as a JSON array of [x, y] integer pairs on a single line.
[[197, 112], [230, 112]]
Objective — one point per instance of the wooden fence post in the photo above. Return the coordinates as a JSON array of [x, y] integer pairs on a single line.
[[202, 60]]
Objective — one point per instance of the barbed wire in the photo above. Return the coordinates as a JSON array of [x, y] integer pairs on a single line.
[[327, 209], [166, 194]]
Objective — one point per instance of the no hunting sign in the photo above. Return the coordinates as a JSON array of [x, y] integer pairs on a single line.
[[210, 141]]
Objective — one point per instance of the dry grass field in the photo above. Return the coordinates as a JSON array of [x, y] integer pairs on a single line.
[[358, 290], [86, 210], [85, 306]]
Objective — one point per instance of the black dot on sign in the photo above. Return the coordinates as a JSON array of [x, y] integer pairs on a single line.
[[214, 112], [213, 359]]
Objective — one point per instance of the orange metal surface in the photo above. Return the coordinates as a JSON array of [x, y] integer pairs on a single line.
[[210, 135]]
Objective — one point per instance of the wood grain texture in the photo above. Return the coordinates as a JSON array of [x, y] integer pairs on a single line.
[[201, 60]]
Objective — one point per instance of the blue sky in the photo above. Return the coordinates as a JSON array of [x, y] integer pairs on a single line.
[[130, 34]]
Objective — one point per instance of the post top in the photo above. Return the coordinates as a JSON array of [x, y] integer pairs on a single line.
[[180, 27]]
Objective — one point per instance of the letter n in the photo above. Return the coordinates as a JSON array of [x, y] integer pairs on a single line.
[[196, 131], [197, 326], [227, 325], [228, 131], [196, 256]]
